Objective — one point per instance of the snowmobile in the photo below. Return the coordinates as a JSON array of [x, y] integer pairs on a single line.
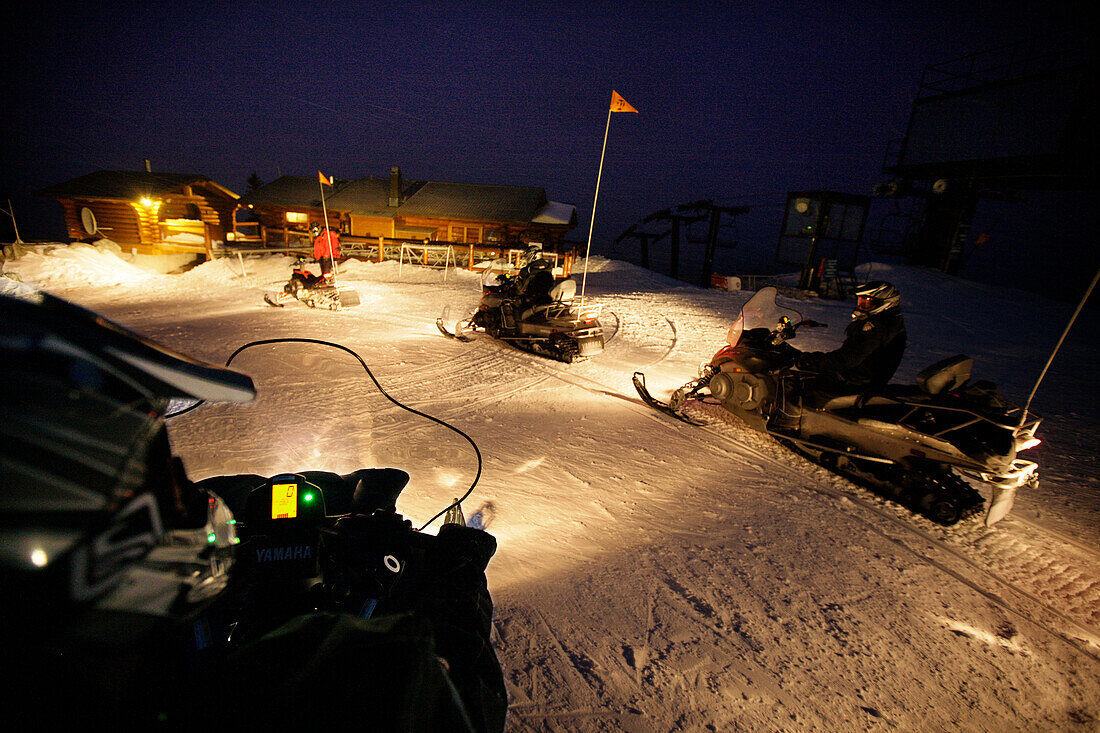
[[532, 311], [316, 291], [911, 443], [316, 540]]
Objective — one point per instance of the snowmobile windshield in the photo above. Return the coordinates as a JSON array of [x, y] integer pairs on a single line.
[[761, 311], [496, 272]]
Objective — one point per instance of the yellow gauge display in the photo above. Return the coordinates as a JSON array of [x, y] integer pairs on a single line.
[[284, 501]]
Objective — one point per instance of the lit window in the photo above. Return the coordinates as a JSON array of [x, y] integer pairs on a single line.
[[296, 217]]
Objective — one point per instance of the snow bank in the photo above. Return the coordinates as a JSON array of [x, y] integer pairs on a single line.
[[78, 263]]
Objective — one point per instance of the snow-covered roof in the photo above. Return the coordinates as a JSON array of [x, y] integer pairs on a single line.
[[475, 201], [288, 192], [128, 185], [370, 196], [555, 212]]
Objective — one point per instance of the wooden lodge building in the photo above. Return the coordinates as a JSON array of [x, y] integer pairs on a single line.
[[147, 213], [423, 211]]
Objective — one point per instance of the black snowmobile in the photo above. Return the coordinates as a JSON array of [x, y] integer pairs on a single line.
[[315, 291], [534, 312], [913, 444]]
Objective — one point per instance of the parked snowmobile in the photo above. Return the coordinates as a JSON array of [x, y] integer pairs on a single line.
[[303, 601], [314, 290], [911, 443], [533, 312]]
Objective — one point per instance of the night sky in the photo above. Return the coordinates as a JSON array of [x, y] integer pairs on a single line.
[[739, 102]]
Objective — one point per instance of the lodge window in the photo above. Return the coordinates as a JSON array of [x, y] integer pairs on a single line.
[[296, 217], [465, 234]]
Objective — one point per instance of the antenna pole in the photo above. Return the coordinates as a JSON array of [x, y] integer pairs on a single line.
[[1088, 292]]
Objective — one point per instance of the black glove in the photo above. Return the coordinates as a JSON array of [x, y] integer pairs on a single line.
[[805, 363]]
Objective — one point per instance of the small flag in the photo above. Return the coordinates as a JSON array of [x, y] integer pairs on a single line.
[[322, 179], [618, 104]]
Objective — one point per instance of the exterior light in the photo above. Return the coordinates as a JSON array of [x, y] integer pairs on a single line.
[[39, 558], [145, 201]]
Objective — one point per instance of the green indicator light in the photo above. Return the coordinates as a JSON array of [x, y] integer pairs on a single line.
[[211, 537], [307, 498]]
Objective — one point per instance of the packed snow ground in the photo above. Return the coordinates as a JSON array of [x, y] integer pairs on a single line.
[[654, 576]]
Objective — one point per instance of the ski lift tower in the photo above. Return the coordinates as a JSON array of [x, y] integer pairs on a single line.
[[989, 125]]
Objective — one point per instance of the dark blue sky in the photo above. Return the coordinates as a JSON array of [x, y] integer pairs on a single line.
[[739, 101]]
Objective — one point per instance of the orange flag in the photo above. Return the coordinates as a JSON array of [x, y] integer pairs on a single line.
[[322, 179], [618, 104]]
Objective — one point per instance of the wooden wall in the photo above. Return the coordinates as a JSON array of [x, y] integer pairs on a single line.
[[476, 232], [132, 223], [117, 220]]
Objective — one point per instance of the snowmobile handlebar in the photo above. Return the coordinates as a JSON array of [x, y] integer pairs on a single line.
[[786, 329], [335, 543]]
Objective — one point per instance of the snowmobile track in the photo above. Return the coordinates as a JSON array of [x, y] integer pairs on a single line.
[[1084, 634]]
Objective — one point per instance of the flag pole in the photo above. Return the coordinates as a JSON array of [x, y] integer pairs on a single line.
[[595, 197], [328, 238]]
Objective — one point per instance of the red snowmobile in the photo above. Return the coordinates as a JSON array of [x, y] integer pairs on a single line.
[[316, 291]]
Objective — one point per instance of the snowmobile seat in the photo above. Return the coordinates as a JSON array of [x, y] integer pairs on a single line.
[[946, 374], [562, 292]]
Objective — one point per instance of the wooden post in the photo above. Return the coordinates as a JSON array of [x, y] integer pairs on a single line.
[[381, 249], [470, 261], [207, 242]]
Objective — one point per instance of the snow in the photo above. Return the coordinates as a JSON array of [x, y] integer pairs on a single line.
[[555, 212], [654, 576]]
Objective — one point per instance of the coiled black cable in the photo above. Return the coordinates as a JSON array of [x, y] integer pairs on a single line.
[[385, 394]]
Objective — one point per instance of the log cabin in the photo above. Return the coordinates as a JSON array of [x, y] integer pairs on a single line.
[[175, 214]]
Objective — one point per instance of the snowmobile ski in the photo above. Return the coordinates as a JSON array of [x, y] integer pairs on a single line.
[[456, 334], [269, 301], [656, 404]]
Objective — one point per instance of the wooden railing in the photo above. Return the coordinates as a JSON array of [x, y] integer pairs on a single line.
[[427, 253]]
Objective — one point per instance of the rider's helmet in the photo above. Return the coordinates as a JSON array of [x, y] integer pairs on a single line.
[[532, 253], [99, 517], [875, 297], [315, 229]]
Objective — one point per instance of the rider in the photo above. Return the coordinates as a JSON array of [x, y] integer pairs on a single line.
[[120, 575], [874, 343], [326, 248], [535, 278]]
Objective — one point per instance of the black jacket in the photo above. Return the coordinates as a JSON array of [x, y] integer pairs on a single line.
[[871, 352]]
